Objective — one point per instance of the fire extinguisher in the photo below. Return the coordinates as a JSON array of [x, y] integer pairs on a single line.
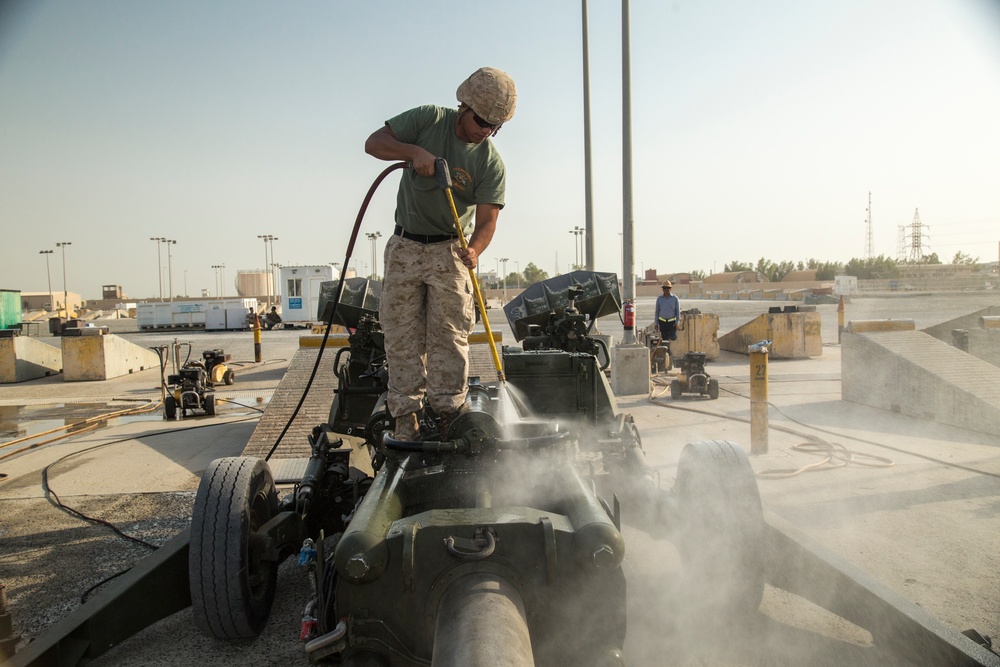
[[629, 311]]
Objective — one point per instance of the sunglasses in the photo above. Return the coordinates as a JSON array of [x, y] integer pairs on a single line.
[[482, 123]]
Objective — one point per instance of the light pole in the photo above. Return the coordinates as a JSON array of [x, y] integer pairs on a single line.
[[268, 240], [218, 281], [372, 237], [170, 268], [48, 272], [63, 244], [517, 266], [159, 262], [504, 260], [185, 283], [577, 233], [271, 281]]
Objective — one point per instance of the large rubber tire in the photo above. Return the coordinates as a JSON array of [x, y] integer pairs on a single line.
[[169, 407], [209, 404], [721, 528], [713, 388], [232, 585], [675, 389]]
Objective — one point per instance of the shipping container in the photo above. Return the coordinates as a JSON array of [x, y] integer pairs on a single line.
[[10, 309], [192, 314]]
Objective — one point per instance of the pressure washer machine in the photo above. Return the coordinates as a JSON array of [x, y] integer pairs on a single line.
[[192, 388]]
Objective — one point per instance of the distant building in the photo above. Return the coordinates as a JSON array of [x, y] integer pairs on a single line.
[[738, 277], [43, 301], [799, 276], [845, 285], [678, 279], [113, 293]]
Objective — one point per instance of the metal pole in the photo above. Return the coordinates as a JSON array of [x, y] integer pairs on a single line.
[[504, 260], [170, 268], [517, 266], [269, 241], [272, 288], [840, 318], [588, 186], [258, 354], [159, 263], [628, 280], [185, 283], [62, 245], [758, 400], [48, 272], [267, 295], [372, 237]]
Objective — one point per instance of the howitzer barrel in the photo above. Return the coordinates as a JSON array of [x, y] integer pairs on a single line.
[[481, 623]]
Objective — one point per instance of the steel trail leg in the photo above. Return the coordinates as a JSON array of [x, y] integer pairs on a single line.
[[442, 175]]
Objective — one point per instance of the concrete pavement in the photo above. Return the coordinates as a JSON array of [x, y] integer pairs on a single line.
[[924, 525]]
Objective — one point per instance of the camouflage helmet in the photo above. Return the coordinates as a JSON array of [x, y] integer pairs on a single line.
[[490, 93]]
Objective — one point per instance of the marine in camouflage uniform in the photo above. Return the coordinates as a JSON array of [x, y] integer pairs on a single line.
[[426, 308]]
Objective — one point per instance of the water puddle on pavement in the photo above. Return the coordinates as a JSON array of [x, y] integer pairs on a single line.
[[28, 421]]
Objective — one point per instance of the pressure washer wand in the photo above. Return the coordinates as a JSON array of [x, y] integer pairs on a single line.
[[442, 175]]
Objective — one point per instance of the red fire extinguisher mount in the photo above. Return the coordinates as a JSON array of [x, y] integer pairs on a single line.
[[629, 315]]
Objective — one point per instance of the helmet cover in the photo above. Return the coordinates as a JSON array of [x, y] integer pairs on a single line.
[[490, 93]]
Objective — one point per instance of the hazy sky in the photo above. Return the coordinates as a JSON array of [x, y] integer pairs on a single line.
[[758, 129]]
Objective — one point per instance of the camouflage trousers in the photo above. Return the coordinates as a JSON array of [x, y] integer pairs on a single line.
[[426, 312]]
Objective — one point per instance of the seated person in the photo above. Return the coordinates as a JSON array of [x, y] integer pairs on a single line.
[[272, 319]]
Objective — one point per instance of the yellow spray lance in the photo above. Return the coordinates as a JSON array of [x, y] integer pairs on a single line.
[[442, 176]]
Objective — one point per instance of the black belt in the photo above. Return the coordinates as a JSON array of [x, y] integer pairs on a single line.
[[424, 238]]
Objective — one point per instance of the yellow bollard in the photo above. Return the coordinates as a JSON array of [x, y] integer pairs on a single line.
[[840, 318], [758, 398], [257, 353]]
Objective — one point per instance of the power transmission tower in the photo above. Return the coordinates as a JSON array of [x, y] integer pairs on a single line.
[[869, 243], [901, 244], [916, 238]]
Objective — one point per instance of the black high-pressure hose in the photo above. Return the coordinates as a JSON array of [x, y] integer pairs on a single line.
[[336, 301]]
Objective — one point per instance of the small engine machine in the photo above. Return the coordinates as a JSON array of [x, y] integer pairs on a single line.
[[693, 378], [193, 387]]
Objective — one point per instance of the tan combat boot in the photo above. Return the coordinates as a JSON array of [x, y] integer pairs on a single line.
[[407, 427]]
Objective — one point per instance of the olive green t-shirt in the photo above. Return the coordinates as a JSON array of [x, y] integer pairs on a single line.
[[477, 173]]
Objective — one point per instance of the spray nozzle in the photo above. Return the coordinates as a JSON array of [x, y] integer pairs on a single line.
[[442, 175]]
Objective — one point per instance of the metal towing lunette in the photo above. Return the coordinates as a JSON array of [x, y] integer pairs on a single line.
[[498, 534]]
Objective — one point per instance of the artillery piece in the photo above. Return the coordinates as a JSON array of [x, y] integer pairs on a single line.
[[497, 542], [497, 537]]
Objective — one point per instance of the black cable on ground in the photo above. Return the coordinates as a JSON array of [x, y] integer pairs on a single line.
[[931, 459], [835, 455], [242, 405], [49, 491], [336, 301]]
